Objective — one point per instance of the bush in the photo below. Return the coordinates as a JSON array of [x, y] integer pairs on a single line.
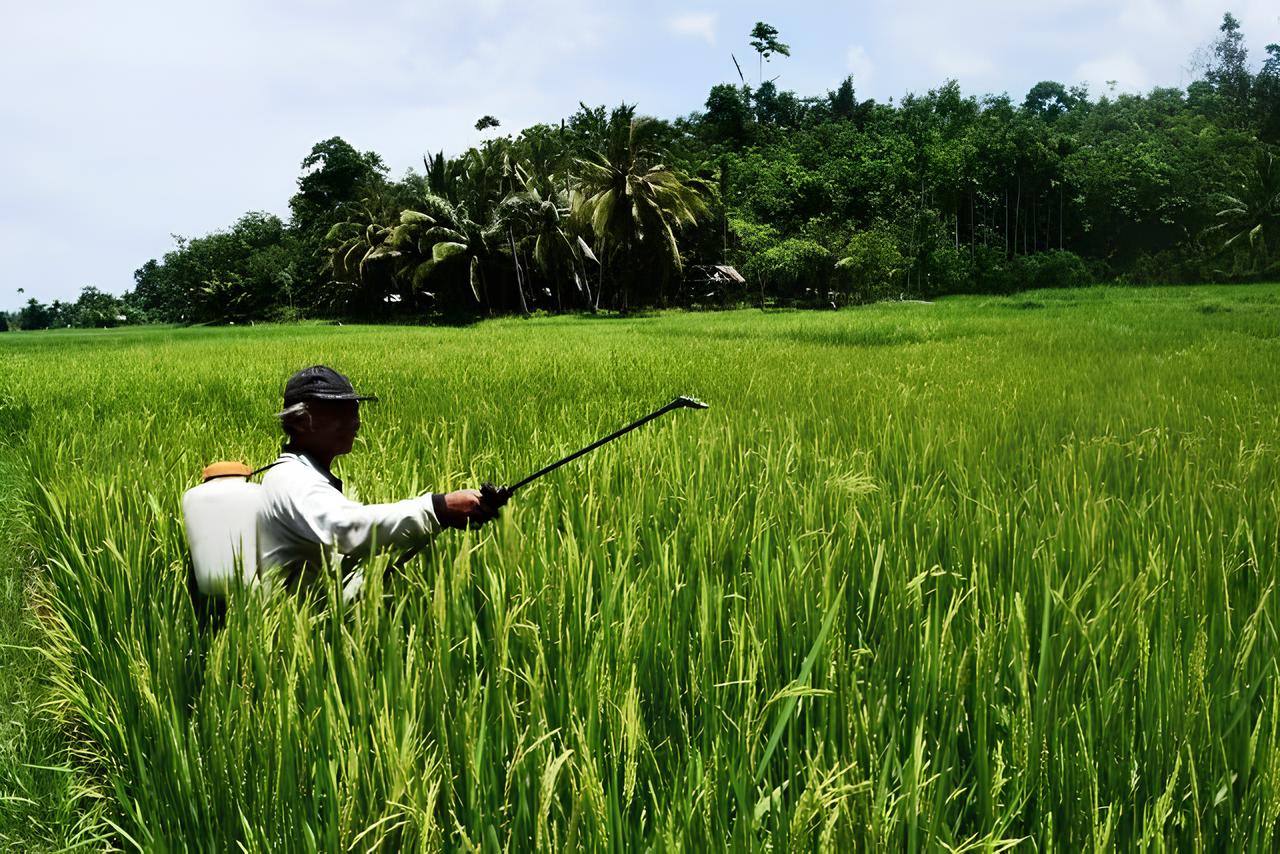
[[976, 270], [871, 266], [993, 272], [286, 314], [948, 271], [1056, 268], [1193, 262], [984, 270], [793, 269]]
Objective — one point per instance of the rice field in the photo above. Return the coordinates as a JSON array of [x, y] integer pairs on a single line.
[[985, 574]]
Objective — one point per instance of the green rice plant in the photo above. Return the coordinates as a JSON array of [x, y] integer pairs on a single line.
[[924, 576]]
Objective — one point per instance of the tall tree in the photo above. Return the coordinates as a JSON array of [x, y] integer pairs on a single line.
[[363, 261], [97, 310], [443, 176], [1229, 71], [728, 117], [635, 205], [541, 215], [842, 102], [1049, 100], [157, 293], [334, 174], [1266, 97], [233, 275], [34, 315], [764, 39]]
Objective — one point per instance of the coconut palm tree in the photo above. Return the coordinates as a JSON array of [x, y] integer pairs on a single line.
[[443, 176], [361, 256], [357, 243], [1250, 216], [634, 206], [440, 241], [541, 215], [487, 175]]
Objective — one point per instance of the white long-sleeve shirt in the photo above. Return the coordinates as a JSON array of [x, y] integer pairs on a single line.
[[304, 514]]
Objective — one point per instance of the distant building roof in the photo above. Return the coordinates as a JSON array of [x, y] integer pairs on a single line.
[[719, 273], [731, 273]]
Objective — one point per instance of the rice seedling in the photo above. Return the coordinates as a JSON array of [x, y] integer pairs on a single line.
[[924, 576]]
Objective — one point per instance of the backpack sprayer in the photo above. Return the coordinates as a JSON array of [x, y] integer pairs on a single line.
[[221, 520], [220, 514]]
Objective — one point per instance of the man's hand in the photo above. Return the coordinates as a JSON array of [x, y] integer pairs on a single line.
[[467, 508], [494, 497]]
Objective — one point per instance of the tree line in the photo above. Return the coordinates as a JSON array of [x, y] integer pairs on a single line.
[[822, 200]]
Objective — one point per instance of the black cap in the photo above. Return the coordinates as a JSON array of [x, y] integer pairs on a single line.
[[320, 383]]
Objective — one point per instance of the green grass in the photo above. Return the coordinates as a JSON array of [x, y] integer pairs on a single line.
[[971, 574], [39, 794]]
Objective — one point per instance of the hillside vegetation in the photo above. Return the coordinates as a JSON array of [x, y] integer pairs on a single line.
[[819, 200]]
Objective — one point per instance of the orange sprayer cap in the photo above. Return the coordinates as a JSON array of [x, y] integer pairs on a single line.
[[225, 469]]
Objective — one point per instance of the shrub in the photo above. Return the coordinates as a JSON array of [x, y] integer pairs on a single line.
[[871, 266], [793, 269], [948, 271], [993, 272], [1056, 268], [1193, 262]]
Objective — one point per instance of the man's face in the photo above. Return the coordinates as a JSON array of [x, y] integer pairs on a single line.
[[334, 425]]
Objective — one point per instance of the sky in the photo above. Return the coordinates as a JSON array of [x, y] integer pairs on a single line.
[[123, 124]]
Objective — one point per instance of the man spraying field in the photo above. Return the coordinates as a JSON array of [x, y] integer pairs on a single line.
[[303, 512], [286, 528]]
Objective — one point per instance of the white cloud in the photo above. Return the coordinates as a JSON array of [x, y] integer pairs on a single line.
[[700, 25], [860, 65]]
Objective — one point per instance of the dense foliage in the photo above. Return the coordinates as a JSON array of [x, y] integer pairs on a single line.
[[923, 577], [816, 200], [93, 309]]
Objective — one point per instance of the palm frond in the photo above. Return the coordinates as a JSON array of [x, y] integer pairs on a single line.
[[444, 250]]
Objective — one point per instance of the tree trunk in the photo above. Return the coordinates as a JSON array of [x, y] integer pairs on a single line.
[[970, 225], [1017, 218], [724, 211], [1048, 224], [599, 288], [515, 259], [586, 280], [1006, 222]]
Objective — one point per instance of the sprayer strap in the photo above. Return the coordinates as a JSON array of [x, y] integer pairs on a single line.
[[257, 472]]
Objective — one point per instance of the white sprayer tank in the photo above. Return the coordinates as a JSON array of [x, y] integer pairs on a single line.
[[221, 518]]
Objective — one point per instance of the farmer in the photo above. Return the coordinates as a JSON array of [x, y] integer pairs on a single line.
[[304, 514]]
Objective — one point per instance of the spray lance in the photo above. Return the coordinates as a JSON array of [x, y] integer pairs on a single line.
[[497, 496]]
